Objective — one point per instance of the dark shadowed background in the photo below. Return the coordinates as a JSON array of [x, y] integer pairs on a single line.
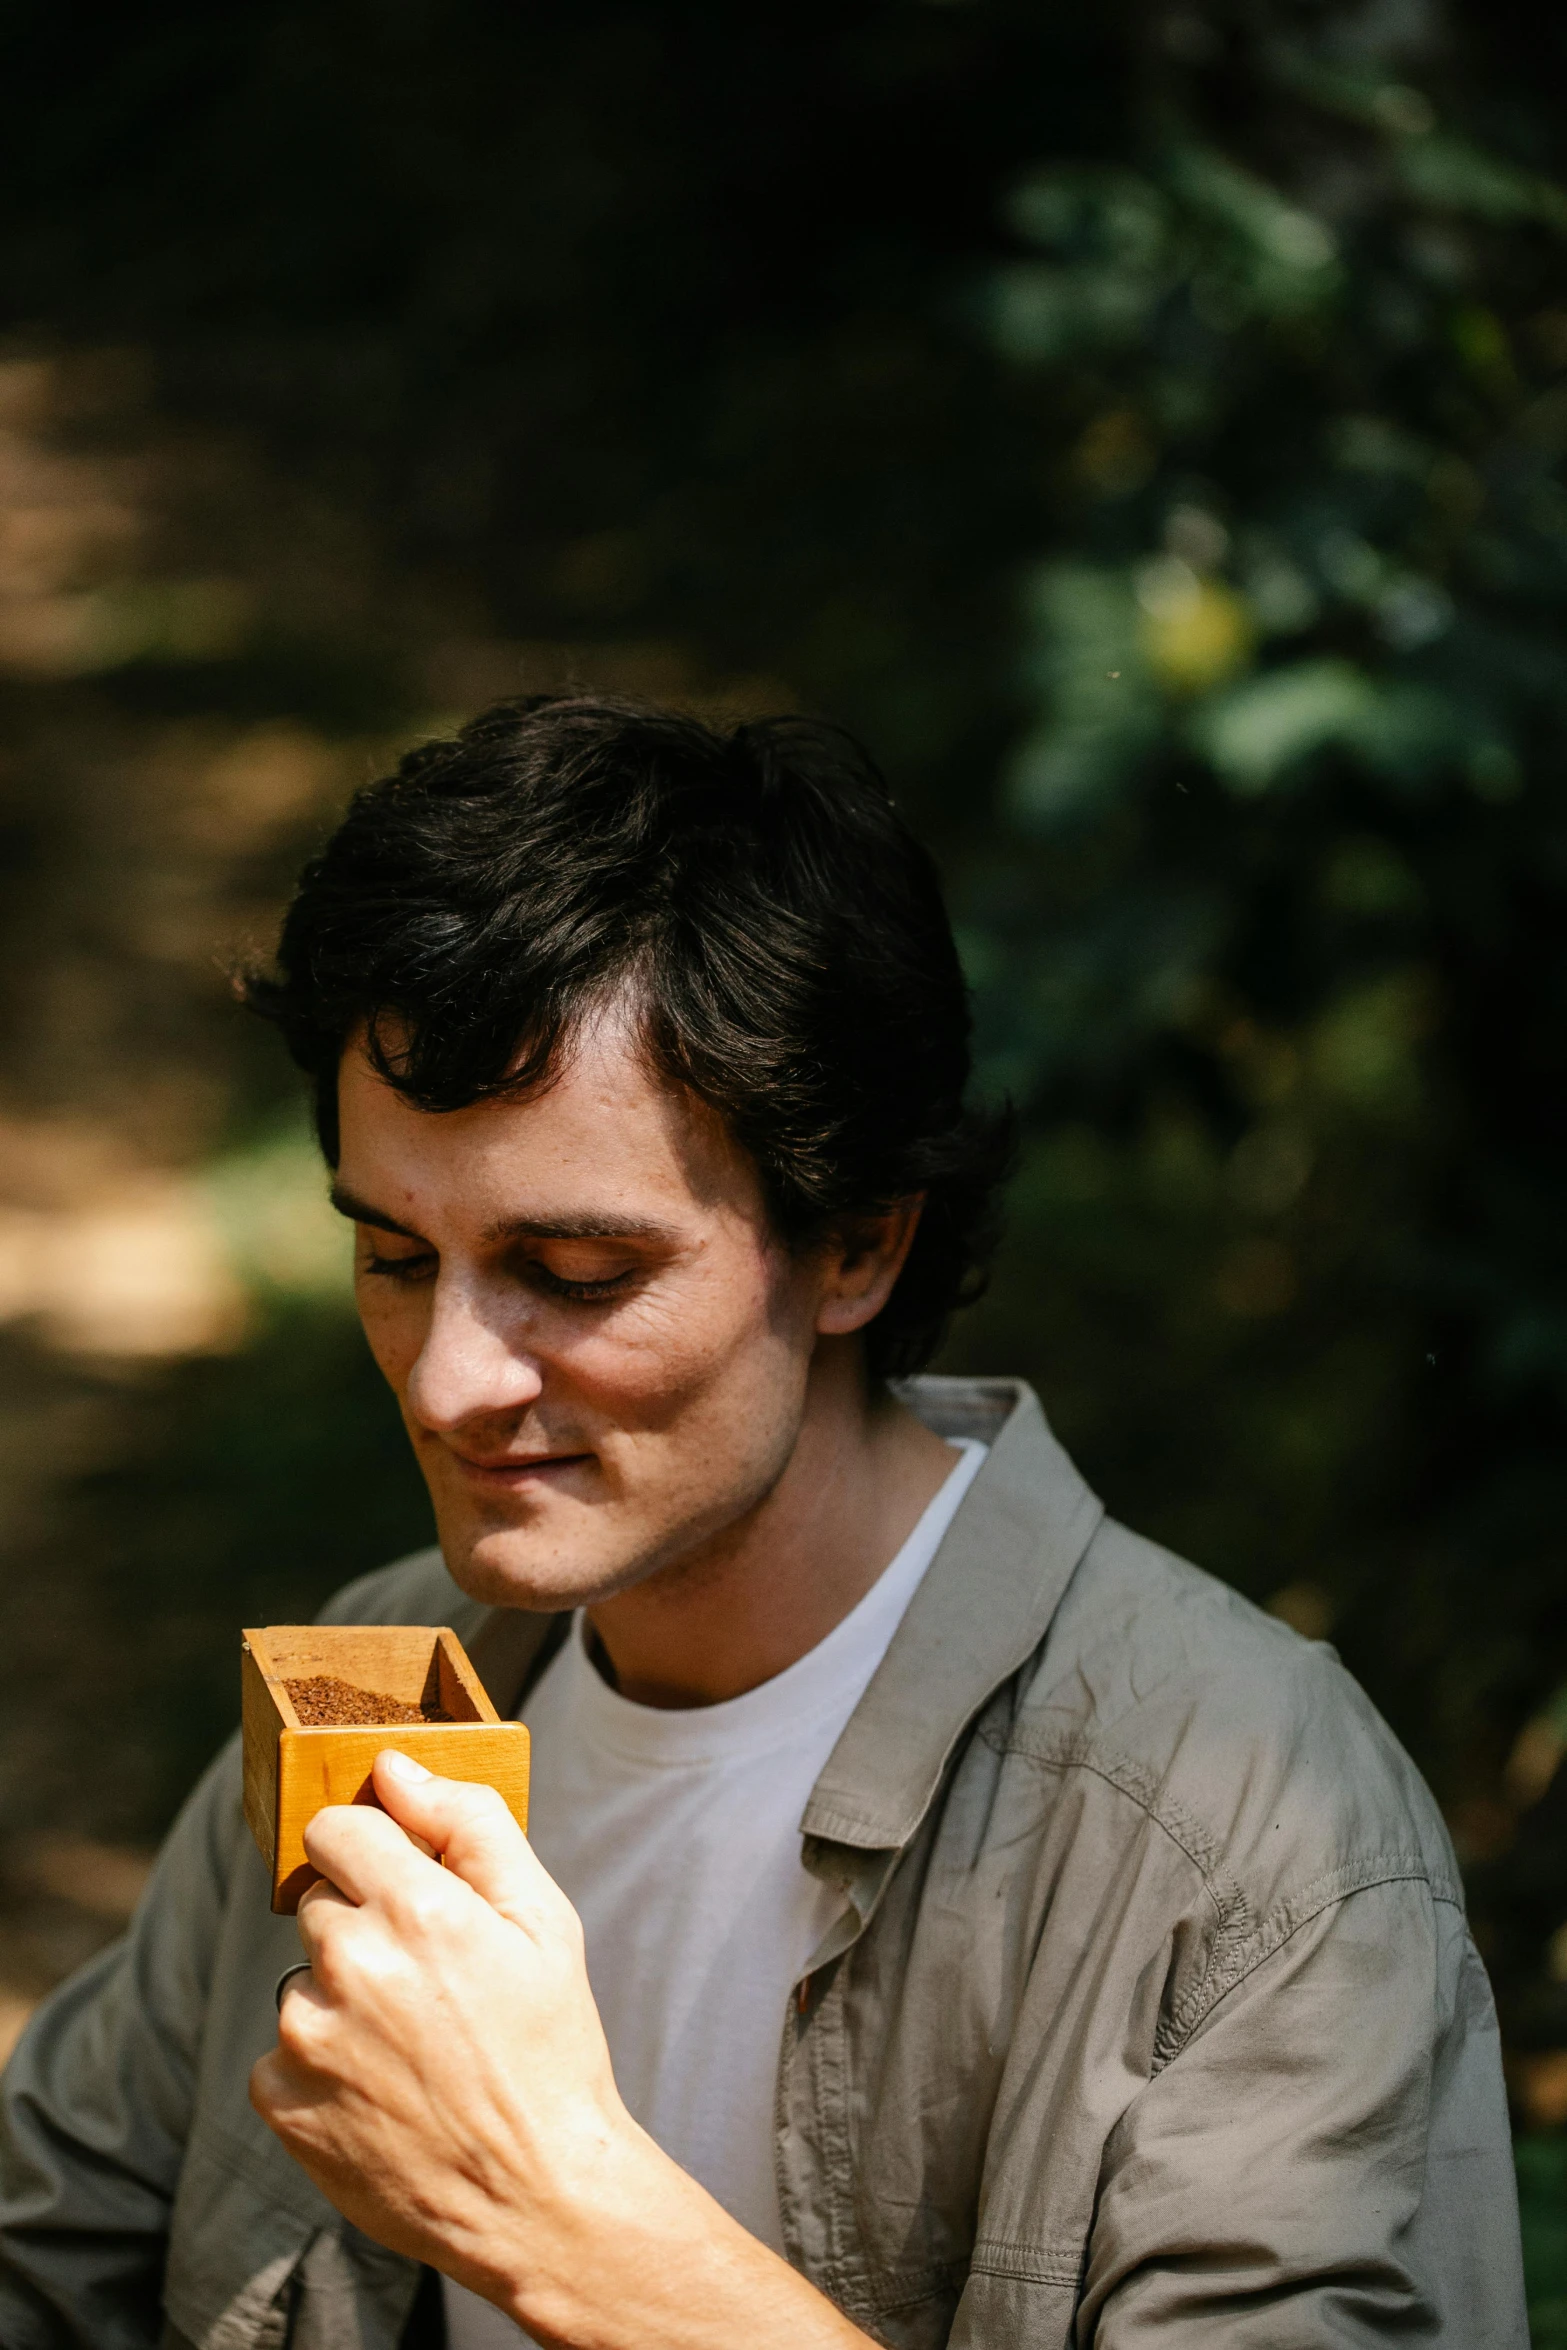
[[1144, 424]]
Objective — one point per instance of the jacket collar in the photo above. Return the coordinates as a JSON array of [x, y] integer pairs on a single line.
[[984, 1605], [981, 1609]]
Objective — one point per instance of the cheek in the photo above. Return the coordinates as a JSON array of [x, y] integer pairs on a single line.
[[394, 1321], [719, 1342]]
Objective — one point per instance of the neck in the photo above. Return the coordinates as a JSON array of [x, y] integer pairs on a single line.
[[723, 1620]]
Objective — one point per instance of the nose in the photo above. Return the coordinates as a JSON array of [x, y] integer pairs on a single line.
[[472, 1364]]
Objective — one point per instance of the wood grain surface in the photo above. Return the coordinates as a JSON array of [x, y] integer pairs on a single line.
[[292, 1772]]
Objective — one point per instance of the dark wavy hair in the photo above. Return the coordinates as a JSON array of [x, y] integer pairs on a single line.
[[755, 893]]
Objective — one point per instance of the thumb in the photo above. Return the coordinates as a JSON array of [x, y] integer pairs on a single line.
[[469, 1827]]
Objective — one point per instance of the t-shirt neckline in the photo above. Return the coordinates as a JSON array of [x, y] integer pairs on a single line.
[[828, 1679]]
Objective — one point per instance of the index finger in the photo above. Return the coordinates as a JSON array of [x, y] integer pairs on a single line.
[[363, 1852]]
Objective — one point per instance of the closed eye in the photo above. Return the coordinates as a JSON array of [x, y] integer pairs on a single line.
[[577, 1292], [416, 1268], [423, 1265]]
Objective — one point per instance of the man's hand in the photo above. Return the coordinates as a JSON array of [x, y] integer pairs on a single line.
[[443, 2077]]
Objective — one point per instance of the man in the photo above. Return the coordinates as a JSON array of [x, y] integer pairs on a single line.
[[946, 1918]]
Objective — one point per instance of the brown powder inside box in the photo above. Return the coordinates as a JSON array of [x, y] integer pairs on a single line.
[[321, 1699]]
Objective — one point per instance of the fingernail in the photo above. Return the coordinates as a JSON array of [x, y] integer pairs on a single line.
[[403, 1766]]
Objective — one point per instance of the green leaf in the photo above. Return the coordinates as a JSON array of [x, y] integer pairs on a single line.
[[1259, 732]]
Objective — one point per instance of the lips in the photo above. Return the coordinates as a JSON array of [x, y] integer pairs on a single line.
[[512, 1466]]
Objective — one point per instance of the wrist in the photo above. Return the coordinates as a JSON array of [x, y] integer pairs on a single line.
[[640, 2257], [608, 2204]]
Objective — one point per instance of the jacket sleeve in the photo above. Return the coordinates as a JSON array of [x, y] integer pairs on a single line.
[[95, 2104], [1326, 2159]]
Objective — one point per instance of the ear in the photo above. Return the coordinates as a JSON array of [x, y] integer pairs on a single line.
[[861, 1262]]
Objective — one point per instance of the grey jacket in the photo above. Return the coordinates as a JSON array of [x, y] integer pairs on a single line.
[[1151, 2016]]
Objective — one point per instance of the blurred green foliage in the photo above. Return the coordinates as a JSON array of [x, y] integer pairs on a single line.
[[1542, 2194], [1146, 426]]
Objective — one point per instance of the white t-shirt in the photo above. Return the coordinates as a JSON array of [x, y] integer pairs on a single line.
[[676, 1834]]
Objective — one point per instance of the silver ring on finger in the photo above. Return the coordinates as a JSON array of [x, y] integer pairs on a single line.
[[300, 1967]]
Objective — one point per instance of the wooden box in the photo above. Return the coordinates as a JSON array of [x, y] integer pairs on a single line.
[[293, 1769]]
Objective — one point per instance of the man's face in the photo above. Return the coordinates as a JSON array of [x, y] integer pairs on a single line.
[[600, 1349]]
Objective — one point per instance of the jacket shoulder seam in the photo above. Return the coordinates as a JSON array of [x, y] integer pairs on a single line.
[[1242, 1939], [1292, 1919], [1077, 1751]]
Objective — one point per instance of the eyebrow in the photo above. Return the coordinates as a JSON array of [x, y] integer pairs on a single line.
[[359, 1211], [595, 1225]]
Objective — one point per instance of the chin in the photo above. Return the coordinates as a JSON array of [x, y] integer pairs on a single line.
[[506, 1567]]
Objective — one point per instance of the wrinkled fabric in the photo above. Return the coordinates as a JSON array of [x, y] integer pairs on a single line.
[[1150, 2014]]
